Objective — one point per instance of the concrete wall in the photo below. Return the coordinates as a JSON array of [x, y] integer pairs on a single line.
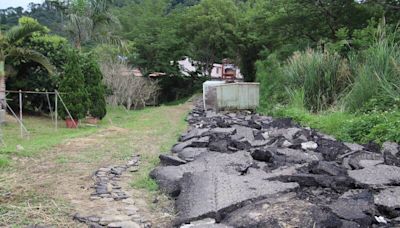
[[231, 96]]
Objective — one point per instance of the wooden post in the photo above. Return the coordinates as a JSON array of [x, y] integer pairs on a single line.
[[56, 109], [20, 113]]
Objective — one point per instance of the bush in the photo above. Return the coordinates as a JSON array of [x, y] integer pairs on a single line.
[[32, 77], [322, 76], [127, 89], [377, 75], [174, 88], [272, 83], [73, 88], [94, 86], [379, 127]]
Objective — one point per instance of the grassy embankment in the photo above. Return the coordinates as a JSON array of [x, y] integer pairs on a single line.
[[354, 97]]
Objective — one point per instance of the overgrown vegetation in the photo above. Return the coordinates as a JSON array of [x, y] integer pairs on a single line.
[[354, 97]]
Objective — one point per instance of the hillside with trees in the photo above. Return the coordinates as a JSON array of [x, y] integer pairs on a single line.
[[325, 46]]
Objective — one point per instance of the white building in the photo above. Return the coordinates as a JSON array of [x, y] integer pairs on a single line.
[[188, 66]]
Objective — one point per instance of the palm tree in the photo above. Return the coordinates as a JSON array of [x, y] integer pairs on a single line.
[[11, 50], [91, 20]]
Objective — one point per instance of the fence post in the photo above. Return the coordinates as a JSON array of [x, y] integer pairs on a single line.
[[20, 113], [56, 108]]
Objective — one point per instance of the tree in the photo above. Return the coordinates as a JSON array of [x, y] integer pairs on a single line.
[[154, 33], [73, 88], [94, 86], [210, 29], [10, 51], [90, 19]]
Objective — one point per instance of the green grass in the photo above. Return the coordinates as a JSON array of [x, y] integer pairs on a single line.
[[43, 135], [165, 131], [350, 127]]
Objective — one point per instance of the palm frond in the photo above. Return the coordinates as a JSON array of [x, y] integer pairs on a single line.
[[32, 55], [79, 27], [19, 32]]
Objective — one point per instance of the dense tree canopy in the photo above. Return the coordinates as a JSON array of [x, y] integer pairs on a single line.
[[161, 32]]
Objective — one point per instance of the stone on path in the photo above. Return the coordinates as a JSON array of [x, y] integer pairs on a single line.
[[113, 218], [194, 133], [191, 153], [171, 160], [297, 156], [243, 132], [168, 177], [390, 147], [309, 146], [124, 224], [390, 199], [376, 176], [355, 207], [210, 193], [282, 211]]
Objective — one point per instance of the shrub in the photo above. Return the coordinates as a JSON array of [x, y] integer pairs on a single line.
[[73, 89], [272, 83], [126, 89], [323, 76], [174, 88], [377, 74], [378, 126], [32, 77], [94, 86]]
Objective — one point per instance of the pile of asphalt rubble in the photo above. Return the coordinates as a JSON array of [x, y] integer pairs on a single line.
[[239, 169]]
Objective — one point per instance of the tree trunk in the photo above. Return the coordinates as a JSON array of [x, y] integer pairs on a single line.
[[2, 86]]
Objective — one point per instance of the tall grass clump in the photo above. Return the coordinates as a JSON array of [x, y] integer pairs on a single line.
[[323, 76], [272, 83], [378, 73]]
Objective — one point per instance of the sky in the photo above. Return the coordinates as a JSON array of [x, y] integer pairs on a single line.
[[15, 3]]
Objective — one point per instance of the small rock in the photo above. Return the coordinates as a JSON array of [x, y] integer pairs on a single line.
[[124, 224], [390, 199], [287, 144], [171, 160], [223, 132], [244, 132], [390, 159], [191, 153], [354, 147], [376, 176], [369, 163], [261, 154], [309, 146], [259, 143], [133, 169], [330, 168], [297, 156], [20, 148], [109, 187], [380, 219], [390, 147], [113, 218]]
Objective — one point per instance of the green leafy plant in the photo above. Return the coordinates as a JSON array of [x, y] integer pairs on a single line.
[[94, 86], [377, 74], [10, 51], [73, 88], [322, 76]]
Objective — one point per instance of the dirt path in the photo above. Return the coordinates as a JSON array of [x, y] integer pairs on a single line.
[[51, 188]]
